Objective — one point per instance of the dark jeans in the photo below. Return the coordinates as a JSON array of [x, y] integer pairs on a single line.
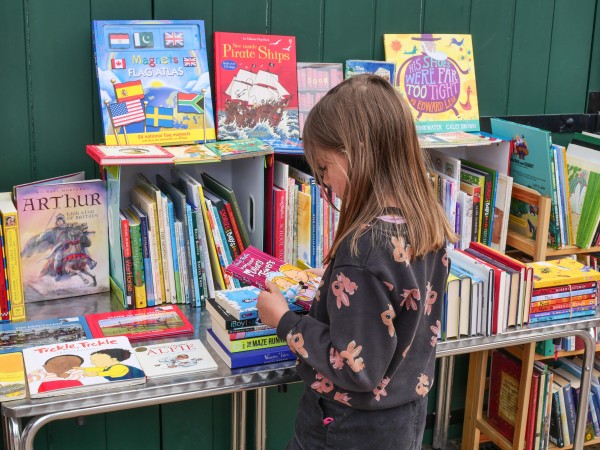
[[399, 428]]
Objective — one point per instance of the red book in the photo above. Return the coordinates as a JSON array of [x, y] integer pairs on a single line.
[[531, 411], [505, 380], [127, 260], [564, 288], [279, 218], [234, 226], [256, 86], [138, 324], [107, 155]]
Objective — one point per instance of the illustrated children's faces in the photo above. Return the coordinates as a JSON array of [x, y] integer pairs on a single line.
[[61, 364], [333, 166], [103, 360]]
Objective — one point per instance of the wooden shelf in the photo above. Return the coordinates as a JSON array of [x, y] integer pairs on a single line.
[[563, 353]]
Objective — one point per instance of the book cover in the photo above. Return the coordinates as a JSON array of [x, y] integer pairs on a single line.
[[256, 86], [12, 261], [64, 233], [314, 81], [15, 336], [138, 324], [78, 366], [505, 378], [153, 81], [193, 154], [247, 343], [435, 73], [106, 155], [251, 357], [561, 272], [240, 148], [174, 358], [225, 320], [386, 70], [12, 377]]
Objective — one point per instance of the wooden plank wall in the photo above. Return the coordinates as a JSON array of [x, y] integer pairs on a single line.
[[532, 57]]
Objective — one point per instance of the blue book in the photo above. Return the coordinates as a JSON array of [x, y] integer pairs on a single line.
[[15, 336], [175, 250], [250, 357], [143, 218], [194, 274], [241, 302]]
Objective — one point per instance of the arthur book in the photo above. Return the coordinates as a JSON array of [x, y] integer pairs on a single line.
[[66, 368], [12, 377], [174, 358], [138, 324], [153, 81], [64, 239], [16, 336], [107, 155], [256, 86], [435, 73]]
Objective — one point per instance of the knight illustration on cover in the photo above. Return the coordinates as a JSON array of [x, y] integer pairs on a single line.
[[153, 81], [63, 230], [436, 74]]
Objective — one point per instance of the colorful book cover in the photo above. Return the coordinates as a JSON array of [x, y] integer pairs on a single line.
[[193, 154], [106, 155], [138, 324], [314, 81], [248, 343], [241, 302], [561, 271], [386, 70], [153, 81], [226, 320], [240, 148], [505, 377], [12, 261], [15, 336], [286, 146], [78, 366], [256, 86], [64, 233], [436, 75], [12, 377], [174, 358]]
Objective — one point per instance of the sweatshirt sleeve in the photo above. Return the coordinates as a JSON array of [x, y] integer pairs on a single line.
[[354, 350]]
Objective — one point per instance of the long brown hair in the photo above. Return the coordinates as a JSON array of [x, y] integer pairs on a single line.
[[367, 120]]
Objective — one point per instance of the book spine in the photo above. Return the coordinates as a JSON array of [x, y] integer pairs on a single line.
[[229, 235], [183, 267], [556, 435], [4, 303], [558, 296], [12, 254], [216, 264], [569, 411], [128, 263], [229, 324], [236, 229], [234, 311], [164, 239], [149, 276], [207, 276], [196, 257], [236, 335], [139, 282], [279, 209], [186, 256], [531, 411], [220, 248], [257, 343], [173, 254]]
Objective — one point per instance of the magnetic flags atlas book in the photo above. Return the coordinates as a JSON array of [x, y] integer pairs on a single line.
[[153, 82]]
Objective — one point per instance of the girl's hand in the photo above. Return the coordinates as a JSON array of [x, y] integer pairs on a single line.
[[271, 305]]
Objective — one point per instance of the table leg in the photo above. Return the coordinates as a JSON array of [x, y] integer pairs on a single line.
[[238, 420], [589, 340], [524, 394], [438, 426], [12, 433], [260, 442]]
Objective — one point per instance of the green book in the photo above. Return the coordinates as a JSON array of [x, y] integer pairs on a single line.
[[139, 284]]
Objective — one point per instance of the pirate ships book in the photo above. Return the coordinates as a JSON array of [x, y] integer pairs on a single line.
[[256, 87], [435, 73], [153, 81], [64, 239], [66, 368]]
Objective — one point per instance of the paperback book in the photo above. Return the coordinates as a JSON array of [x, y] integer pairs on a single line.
[[240, 148], [173, 358], [107, 155], [138, 324], [435, 73], [12, 377], [63, 230], [15, 336], [314, 81], [153, 81], [59, 369], [193, 154], [256, 86], [562, 271]]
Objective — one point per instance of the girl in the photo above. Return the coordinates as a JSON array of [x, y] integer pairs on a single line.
[[366, 351]]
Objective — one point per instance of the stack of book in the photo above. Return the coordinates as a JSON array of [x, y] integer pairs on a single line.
[[563, 288]]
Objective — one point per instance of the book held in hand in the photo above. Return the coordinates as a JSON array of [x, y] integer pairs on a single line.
[[172, 358], [78, 366], [137, 324]]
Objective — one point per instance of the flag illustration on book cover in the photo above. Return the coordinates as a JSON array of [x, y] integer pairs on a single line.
[[58, 369], [256, 86], [436, 75], [64, 234], [153, 81]]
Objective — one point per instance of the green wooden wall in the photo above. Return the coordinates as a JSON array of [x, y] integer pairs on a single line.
[[532, 57]]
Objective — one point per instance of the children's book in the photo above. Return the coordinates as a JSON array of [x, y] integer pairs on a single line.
[[241, 302], [153, 81], [454, 138], [256, 86], [286, 146], [78, 366], [174, 358], [193, 154], [9, 236], [12, 377], [435, 73], [15, 336], [562, 271], [386, 70], [106, 155], [240, 148], [247, 343], [314, 81], [138, 324], [250, 357], [222, 318], [63, 231]]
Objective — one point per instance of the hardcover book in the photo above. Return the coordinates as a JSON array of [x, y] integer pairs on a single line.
[[138, 324], [241, 302], [561, 272], [63, 230], [247, 343], [193, 154], [222, 318], [314, 81], [12, 377], [106, 155], [386, 70], [505, 377], [9, 235], [256, 86], [79, 366], [153, 81], [173, 358], [16, 336], [435, 73], [240, 148]]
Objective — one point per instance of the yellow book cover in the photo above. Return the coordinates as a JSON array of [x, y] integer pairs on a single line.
[[560, 272], [435, 73], [12, 377], [12, 250]]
